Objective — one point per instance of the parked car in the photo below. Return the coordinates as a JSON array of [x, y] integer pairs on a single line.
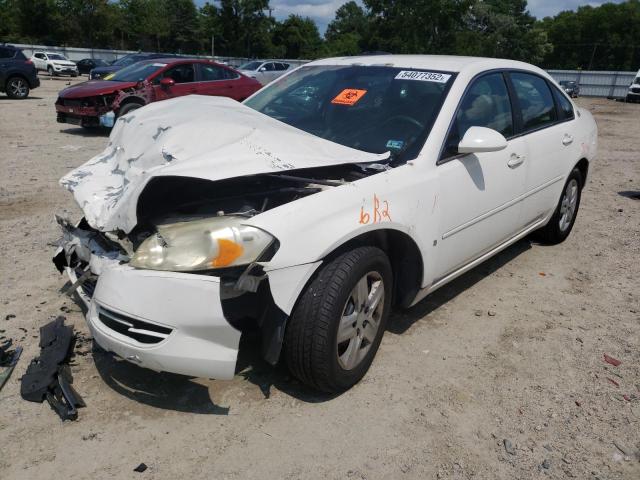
[[104, 71], [17, 74], [633, 94], [352, 186], [54, 64], [100, 102], [87, 64], [264, 72], [571, 88]]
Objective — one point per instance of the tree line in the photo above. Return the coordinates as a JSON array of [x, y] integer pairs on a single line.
[[604, 38]]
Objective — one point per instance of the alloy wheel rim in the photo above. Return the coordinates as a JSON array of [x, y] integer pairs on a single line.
[[360, 320], [18, 87], [568, 204]]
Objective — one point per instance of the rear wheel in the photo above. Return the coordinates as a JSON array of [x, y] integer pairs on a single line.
[[17, 87], [561, 223], [336, 327]]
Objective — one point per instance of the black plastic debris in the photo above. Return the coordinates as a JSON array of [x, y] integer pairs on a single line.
[[140, 468], [48, 376], [8, 360]]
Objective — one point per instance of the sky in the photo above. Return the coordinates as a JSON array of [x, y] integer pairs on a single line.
[[323, 11]]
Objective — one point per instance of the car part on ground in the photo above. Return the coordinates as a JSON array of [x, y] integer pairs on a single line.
[[17, 74], [48, 376], [8, 360], [346, 185], [99, 102]]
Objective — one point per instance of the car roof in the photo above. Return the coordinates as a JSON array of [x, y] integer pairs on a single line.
[[171, 60], [446, 63]]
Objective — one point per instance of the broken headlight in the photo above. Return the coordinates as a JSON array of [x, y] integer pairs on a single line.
[[201, 245]]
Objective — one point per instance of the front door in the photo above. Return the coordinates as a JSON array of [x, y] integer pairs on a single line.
[[184, 77], [479, 192]]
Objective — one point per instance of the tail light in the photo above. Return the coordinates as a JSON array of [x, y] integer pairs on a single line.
[[28, 62]]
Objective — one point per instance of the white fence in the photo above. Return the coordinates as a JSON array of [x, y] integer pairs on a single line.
[[597, 83], [75, 54]]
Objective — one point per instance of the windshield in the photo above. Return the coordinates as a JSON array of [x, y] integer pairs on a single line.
[[55, 56], [566, 83], [637, 81], [137, 72], [375, 109], [127, 60], [251, 66]]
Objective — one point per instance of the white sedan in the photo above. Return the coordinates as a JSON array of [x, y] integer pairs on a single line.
[[264, 72], [344, 189]]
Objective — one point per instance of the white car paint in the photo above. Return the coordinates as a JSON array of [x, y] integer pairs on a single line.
[[56, 61], [633, 93], [457, 212], [266, 72]]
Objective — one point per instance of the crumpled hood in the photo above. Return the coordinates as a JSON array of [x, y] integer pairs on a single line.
[[211, 138]]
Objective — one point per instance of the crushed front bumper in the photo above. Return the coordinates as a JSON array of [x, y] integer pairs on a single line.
[[164, 321]]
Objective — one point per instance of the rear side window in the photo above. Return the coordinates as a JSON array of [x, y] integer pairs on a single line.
[[485, 104], [566, 108], [211, 73], [6, 52], [535, 99]]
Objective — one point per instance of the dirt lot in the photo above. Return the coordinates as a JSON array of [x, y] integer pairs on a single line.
[[511, 351]]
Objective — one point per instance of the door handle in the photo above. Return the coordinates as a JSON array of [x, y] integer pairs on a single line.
[[515, 160], [567, 139]]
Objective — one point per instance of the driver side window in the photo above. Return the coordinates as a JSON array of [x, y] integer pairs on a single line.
[[485, 104], [180, 74]]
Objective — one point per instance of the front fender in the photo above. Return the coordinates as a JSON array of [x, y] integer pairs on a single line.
[[402, 199]]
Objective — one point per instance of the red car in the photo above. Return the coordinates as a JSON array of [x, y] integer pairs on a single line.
[[99, 102]]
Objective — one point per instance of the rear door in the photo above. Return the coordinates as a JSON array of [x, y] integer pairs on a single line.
[[184, 76], [40, 61], [479, 192], [214, 80], [547, 129], [6, 60]]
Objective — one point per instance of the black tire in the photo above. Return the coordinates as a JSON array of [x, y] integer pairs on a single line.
[[50, 71], [311, 348], [17, 88], [554, 232], [128, 108], [74, 75]]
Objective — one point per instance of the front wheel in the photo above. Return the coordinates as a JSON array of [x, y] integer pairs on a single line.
[[50, 71], [337, 325], [17, 88], [561, 223]]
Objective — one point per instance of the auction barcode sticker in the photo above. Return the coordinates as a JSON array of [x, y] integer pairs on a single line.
[[423, 76]]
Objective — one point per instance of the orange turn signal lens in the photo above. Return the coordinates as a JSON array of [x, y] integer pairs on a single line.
[[228, 251]]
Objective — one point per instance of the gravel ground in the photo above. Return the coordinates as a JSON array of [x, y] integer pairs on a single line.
[[498, 375]]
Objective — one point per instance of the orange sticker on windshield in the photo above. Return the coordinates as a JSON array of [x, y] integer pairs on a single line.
[[348, 96]]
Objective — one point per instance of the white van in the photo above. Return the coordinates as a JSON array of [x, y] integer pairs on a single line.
[[633, 95]]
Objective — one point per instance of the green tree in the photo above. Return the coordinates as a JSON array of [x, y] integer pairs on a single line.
[[415, 26], [501, 28], [597, 38], [345, 34], [299, 37]]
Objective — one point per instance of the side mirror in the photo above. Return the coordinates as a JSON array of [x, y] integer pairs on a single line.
[[482, 139], [167, 82], [262, 69]]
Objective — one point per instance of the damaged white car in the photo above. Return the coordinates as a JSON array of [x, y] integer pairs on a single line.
[[346, 188]]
